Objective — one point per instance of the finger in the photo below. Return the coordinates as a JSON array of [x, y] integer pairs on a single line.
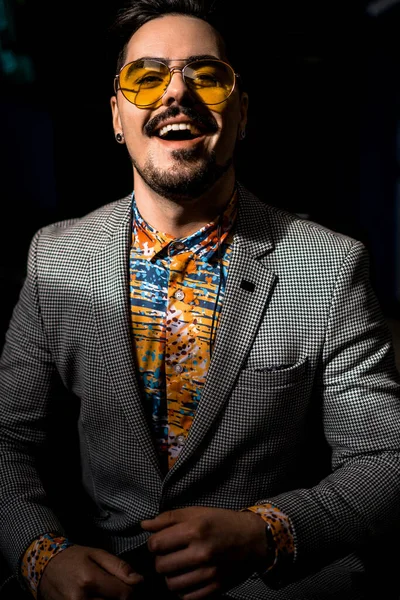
[[175, 538], [106, 586], [183, 560], [192, 580], [161, 521], [178, 515], [116, 566], [172, 517], [208, 591]]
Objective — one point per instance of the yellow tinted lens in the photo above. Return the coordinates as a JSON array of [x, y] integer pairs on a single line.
[[212, 80], [143, 82]]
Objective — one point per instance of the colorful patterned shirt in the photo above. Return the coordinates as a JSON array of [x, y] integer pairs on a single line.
[[177, 288], [176, 292]]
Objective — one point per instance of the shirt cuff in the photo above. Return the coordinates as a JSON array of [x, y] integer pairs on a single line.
[[37, 556], [280, 530]]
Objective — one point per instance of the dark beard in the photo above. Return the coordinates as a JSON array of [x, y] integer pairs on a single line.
[[179, 186]]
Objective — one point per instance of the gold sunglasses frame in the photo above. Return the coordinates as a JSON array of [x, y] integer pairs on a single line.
[[172, 70]]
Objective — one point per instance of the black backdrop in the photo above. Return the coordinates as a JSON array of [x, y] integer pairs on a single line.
[[321, 139]]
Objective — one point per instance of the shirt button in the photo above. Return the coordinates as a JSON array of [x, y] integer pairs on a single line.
[[178, 369], [179, 295], [180, 440], [179, 246]]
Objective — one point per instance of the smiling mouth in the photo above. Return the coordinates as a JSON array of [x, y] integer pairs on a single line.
[[178, 132]]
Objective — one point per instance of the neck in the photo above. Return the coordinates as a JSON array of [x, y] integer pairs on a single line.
[[181, 219]]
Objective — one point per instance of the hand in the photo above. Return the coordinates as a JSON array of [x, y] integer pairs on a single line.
[[202, 550], [79, 573]]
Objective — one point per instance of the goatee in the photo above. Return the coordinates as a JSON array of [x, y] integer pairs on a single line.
[[183, 184]]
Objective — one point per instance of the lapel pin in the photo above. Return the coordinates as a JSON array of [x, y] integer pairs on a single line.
[[247, 285]]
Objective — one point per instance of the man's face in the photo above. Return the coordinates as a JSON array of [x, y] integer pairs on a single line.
[[179, 168]]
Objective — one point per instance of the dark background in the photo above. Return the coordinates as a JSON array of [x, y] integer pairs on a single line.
[[322, 139]]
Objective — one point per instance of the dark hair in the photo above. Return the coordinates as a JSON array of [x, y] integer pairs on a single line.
[[136, 13]]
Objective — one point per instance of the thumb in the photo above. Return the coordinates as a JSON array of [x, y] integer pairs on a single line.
[[116, 566]]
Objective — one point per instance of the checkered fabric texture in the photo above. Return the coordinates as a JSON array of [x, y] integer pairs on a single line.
[[301, 407]]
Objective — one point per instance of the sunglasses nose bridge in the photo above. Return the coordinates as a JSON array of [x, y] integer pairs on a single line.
[[176, 88], [173, 70]]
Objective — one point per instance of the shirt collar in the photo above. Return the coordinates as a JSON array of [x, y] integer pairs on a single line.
[[203, 243]]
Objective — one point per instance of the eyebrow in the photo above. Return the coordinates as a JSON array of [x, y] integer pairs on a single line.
[[187, 59]]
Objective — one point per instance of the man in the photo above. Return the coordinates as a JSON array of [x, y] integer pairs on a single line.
[[222, 366]]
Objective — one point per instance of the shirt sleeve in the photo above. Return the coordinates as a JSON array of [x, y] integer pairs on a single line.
[[281, 532], [37, 556]]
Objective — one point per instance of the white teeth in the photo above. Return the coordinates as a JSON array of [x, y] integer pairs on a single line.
[[175, 127]]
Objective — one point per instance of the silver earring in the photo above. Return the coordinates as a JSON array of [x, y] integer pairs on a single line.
[[242, 133], [119, 137]]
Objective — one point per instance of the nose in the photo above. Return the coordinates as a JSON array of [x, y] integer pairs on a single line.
[[177, 89]]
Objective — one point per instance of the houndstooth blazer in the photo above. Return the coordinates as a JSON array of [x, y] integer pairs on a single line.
[[301, 406]]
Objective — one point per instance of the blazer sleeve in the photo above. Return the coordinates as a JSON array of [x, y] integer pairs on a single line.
[[27, 382], [356, 508]]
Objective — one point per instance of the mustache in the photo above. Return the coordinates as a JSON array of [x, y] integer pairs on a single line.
[[202, 121]]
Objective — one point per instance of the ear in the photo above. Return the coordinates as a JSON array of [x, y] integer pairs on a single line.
[[116, 119], [244, 104]]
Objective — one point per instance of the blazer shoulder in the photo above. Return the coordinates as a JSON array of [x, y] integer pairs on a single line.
[[288, 228], [87, 231], [303, 227], [95, 218]]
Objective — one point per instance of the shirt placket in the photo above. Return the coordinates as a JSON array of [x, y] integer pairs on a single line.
[[181, 333]]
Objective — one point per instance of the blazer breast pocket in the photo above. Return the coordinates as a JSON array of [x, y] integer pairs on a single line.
[[276, 375], [271, 400]]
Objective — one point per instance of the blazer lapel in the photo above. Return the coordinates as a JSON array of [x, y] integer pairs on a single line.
[[109, 276], [248, 291]]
